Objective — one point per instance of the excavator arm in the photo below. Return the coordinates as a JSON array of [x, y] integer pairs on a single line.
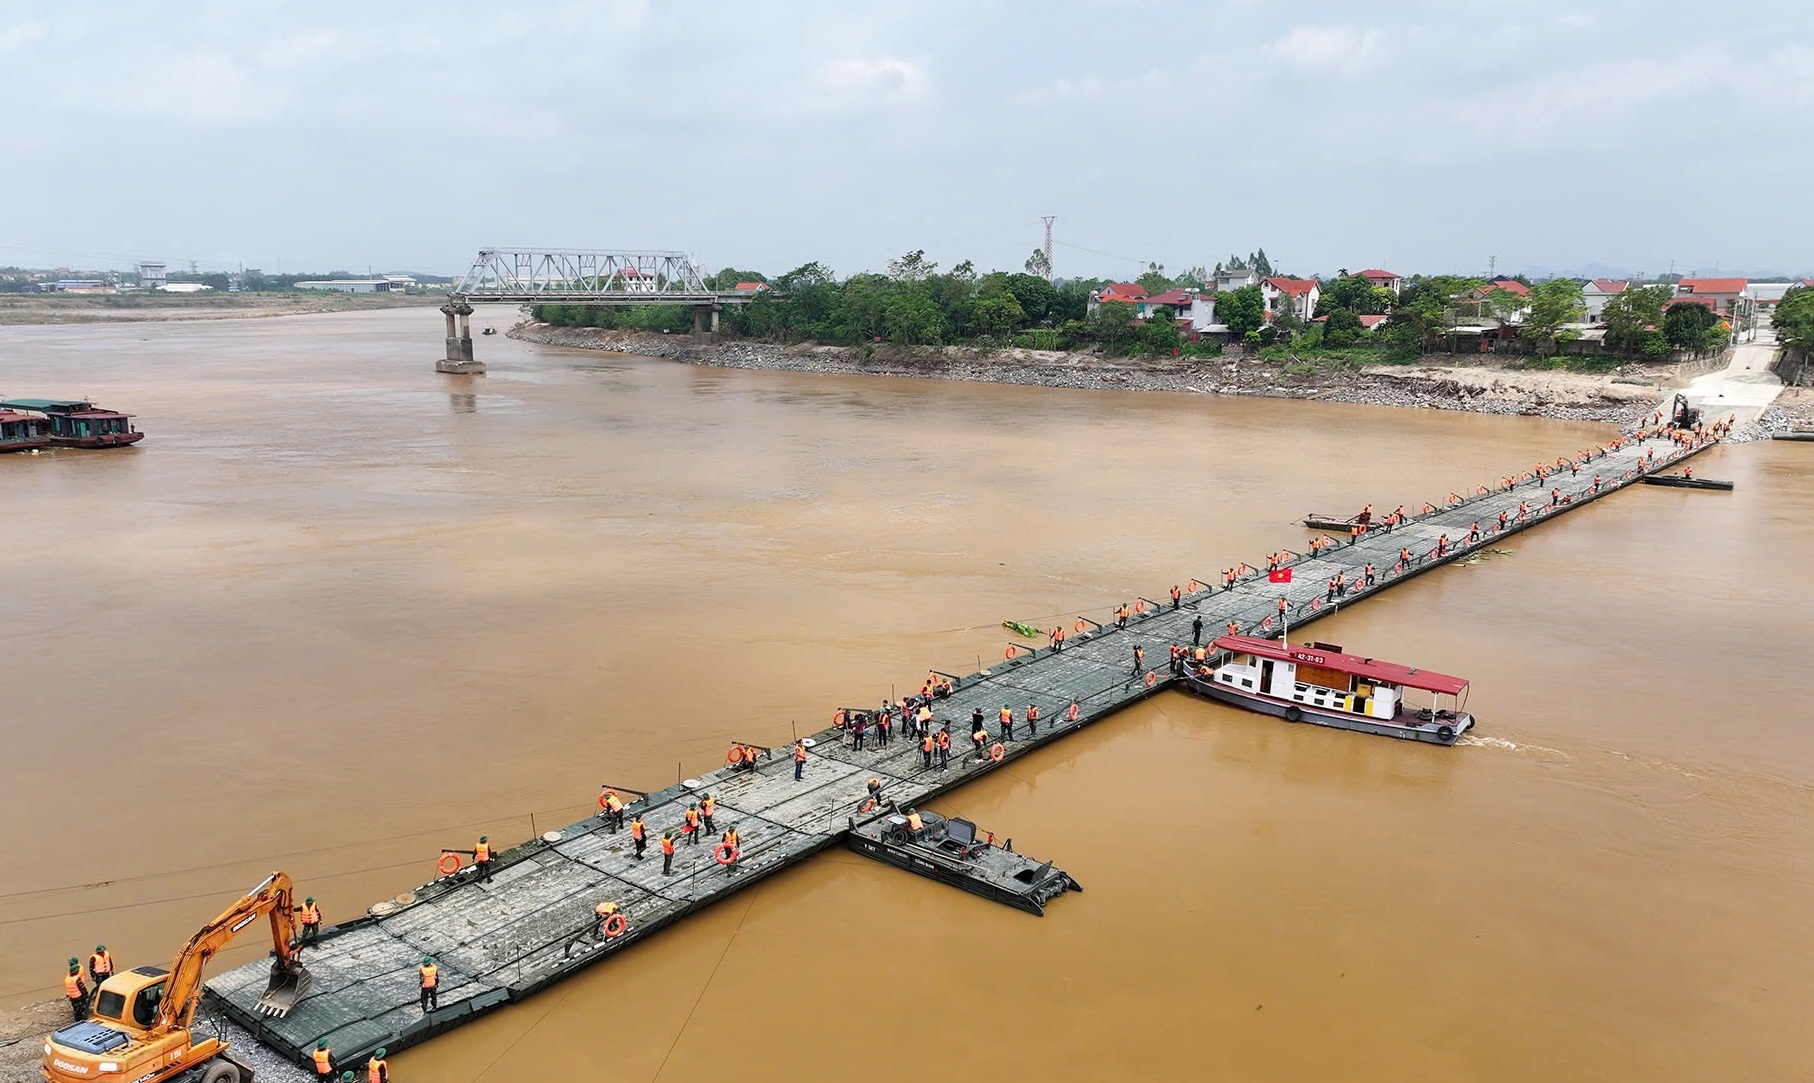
[[270, 899]]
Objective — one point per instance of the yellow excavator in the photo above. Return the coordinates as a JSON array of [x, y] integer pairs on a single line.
[[138, 1030]]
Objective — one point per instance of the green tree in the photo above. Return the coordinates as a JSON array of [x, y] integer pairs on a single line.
[[1242, 311], [1038, 264], [1794, 318], [910, 318], [1159, 335], [1115, 328], [1356, 294], [912, 267], [1685, 326], [1034, 294], [1343, 328], [1633, 318], [997, 315], [1154, 279], [1553, 306]]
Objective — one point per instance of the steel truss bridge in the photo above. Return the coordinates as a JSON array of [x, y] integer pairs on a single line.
[[574, 276]]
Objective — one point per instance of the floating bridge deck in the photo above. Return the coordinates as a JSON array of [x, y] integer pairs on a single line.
[[532, 923]]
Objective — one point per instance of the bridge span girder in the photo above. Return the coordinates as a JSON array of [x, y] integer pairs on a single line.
[[587, 277]]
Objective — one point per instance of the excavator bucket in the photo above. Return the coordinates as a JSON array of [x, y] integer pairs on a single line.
[[288, 985]]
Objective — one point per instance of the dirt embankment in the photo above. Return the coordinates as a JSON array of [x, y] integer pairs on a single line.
[[27, 308], [1438, 383]]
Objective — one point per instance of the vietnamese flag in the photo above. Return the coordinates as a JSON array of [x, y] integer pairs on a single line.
[[1279, 575]]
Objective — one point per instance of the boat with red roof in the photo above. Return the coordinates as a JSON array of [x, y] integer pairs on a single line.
[[1320, 683], [21, 432], [79, 423]]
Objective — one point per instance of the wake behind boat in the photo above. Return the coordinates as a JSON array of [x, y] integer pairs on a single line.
[[1321, 684]]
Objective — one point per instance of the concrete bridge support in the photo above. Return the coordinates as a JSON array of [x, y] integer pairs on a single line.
[[459, 360], [705, 320]]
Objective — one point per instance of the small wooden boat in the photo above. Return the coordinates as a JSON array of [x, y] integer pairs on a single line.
[[1792, 434], [1679, 481], [1330, 522], [79, 423], [21, 432], [1320, 684]]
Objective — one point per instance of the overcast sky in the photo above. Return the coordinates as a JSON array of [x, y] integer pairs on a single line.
[[1418, 137]]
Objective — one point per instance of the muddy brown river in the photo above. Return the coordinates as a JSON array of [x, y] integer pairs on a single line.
[[337, 612]]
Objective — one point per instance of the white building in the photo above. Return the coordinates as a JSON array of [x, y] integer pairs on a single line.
[[151, 274], [1596, 293], [1296, 295], [1389, 279], [1196, 306], [350, 285], [1234, 278]]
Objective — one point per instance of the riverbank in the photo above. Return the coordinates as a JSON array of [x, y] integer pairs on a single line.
[[40, 308], [1440, 382]]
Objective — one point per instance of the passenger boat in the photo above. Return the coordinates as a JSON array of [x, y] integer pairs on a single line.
[[79, 423], [1319, 683], [21, 432]]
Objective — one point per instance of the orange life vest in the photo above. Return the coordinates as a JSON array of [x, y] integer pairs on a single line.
[[101, 963], [72, 986], [1007, 716], [376, 1070], [1033, 712], [324, 1061], [800, 751], [430, 975], [311, 915], [481, 852], [636, 831], [667, 844]]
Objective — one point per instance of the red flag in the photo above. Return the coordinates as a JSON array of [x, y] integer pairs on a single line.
[[1279, 575]]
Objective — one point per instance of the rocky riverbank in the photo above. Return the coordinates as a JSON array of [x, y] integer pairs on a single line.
[[1438, 383]]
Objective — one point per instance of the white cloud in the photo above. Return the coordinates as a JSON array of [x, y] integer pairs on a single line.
[[20, 35], [1060, 92], [1343, 50], [1574, 20], [850, 84], [200, 89], [1592, 95]]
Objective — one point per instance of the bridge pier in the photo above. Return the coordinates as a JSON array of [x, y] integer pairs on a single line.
[[459, 360], [705, 320]]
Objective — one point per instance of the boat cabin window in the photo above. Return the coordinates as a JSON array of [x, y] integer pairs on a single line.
[[1324, 678]]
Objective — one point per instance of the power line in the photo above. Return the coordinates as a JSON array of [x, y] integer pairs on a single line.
[[1099, 252]]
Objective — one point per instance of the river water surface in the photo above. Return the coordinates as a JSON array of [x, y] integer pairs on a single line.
[[337, 612]]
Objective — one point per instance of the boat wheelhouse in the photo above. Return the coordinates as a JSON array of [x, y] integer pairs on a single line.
[[79, 423], [21, 432], [1320, 683]]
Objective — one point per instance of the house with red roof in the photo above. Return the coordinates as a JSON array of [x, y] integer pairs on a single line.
[[750, 287], [1295, 295], [1388, 279], [1127, 293], [1194, 307], [1728, 294], [1473, 305], [1597, 292]]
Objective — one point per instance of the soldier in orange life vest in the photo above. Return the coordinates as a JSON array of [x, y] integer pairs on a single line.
[[100, 965], [75, 990], [378, 1070], [1139, 659], [1007, 723], [1121, 616], [1281, 607], [1367, 574], [731, 839], [943, 740], [708, 807], [691, 825], [799, 761], [1175, 595], [1032, 719], [481, 857], [638, 837], [324, 1061], [311, 921], [1233, 628], [1058, 638], [667, 853], [926, 746], [749, 757], [431, 979]]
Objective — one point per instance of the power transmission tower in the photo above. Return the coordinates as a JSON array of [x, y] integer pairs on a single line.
[[1492, 264], [1048, 220]]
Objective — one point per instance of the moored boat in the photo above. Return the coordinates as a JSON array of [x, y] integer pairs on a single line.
[[1684, 481], [21, 432], [79, 423], [1320, 683]]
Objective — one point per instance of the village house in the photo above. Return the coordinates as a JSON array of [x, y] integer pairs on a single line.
[[1597, 292], [1727, 294], [1127, 293], [1473, 307], [1389, 280], [1194, 307], [1234, 278], [1295, 295]]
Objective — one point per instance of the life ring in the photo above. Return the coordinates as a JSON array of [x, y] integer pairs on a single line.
[[1140, 607], [1266, 624], [997, 752], [838, 717], [1071, 715], [1079, 626], [614, 926], [601, 801], [447, 869], [1445, 733], [1192, 587], [1202, 671], [726, 854], [733, 757], [867, 806], [1011, 651], [1479, 490], [1292, 714], [1316, 603], [1152, 678]]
